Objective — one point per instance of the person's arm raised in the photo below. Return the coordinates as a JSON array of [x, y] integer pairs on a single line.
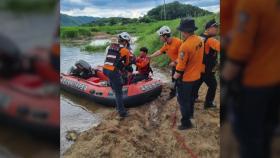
[[155, 54]]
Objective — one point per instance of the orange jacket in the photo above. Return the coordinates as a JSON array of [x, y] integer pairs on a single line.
[[55, 49], [172, 49], [125, 53], [142, 64], [255, 44], [190, 58], [227, 9], [211, 45]]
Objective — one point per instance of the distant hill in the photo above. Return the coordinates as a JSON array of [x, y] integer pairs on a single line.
[[176, 10], [67, 20]]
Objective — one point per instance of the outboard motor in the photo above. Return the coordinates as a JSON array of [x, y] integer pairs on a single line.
[[82, 69], [83, 65], [10, 58]]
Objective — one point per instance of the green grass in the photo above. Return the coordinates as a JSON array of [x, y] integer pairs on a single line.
[[93, 48], [78, 31], [150, 39], [146, 33], [75, 32]]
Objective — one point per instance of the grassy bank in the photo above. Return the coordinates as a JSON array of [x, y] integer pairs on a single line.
[[75, 32], [146, 33], [150, 39], [93, 48]]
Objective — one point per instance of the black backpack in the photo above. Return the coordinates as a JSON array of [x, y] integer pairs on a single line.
[[210, 59]]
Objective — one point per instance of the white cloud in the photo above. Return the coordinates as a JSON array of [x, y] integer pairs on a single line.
[[98, 12], [87, 8], [214, 8], [76, 1]]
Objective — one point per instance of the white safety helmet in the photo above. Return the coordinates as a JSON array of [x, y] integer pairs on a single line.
[[125, 36], [164, 30]]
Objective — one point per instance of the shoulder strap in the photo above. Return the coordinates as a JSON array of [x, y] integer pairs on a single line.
[[205, 38], [150, 69]]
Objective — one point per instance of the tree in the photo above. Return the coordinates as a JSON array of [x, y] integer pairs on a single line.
[[176, 10], [145, 19]]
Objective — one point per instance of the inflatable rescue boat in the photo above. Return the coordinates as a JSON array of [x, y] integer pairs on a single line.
[[28, 97], [96, 88], [27, 101]]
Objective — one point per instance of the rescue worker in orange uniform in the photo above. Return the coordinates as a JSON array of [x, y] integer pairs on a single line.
[[228, 8], [254, 55], [211, 50], [117, 58], [171, 47], [188, 70], [142, 66]]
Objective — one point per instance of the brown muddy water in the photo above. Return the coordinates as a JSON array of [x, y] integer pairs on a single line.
[[79, 114]]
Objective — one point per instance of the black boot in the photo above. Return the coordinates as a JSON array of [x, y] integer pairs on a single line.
[[172, 93], [185, 127], [123, 115], [209, 105]]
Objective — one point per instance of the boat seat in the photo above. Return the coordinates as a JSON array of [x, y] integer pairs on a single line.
[[94, 79], [27, 80]]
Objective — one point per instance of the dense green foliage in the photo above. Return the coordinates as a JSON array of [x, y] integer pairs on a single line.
[[149, 38], [74, 32], [176, 10], [28, 5], [66, 20], [93, 48], [113, 21]]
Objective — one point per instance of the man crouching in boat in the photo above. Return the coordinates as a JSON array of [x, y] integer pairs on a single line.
[[142, 66], [117, 57]]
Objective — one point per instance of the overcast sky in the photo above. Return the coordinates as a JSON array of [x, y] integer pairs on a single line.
[[124, 8]]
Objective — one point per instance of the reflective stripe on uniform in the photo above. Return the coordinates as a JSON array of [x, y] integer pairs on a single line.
[[108, 63], [111, 56]]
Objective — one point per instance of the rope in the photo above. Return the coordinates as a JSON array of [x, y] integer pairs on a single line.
[[174, 117], [180, 139]]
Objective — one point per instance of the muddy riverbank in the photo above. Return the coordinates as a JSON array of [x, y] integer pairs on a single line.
[[150, 131]]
